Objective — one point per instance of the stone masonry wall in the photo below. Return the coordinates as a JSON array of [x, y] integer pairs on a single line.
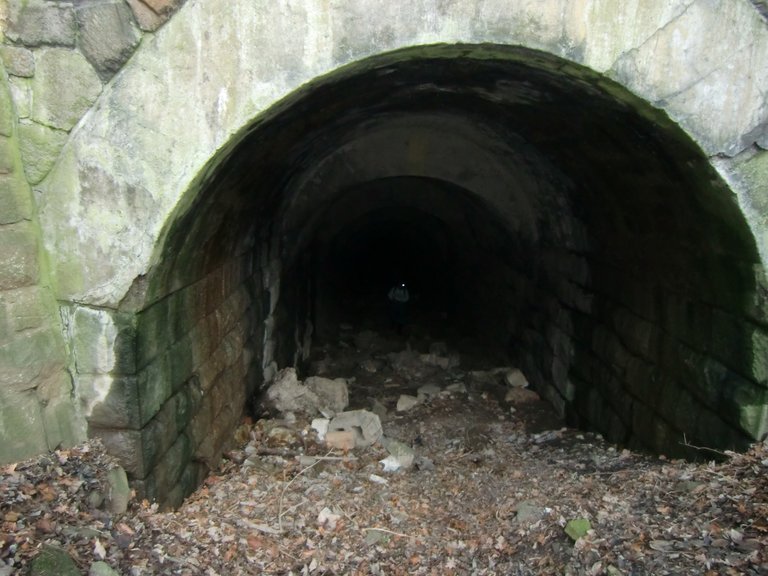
[[647, 365], [195, 349], [36, 392], [45, 46]]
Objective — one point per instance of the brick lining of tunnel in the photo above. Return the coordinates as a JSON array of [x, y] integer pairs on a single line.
[[620, 275]]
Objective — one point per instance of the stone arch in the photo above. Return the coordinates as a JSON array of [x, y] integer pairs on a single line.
[[129, 191]]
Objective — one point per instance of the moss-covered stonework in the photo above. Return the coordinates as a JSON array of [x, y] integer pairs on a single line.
[[37, 408]]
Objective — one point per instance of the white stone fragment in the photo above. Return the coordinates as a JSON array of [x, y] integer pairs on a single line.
[[406, 402], [320, 425], [515, 378]]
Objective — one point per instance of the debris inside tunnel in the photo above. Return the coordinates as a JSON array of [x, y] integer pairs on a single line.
[[457, 484]]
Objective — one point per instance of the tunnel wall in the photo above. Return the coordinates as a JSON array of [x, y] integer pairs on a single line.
[[198, 358]]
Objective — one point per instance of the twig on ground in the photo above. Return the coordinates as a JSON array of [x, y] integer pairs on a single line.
[[371, 529], [282, 494], [704, 448]]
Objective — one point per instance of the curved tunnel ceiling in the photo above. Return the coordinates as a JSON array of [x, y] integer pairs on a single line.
[[537, 139], [559, 217]]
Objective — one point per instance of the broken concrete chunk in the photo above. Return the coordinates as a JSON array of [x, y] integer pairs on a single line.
[[429, 390], [366, 423], [406, 402], [400, 455], [520, 396], [320, 425], [515, 378], [287, 394], [333, 394], [457, 388]]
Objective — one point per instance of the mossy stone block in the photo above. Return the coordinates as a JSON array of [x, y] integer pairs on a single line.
[[21, 256], [32, 353], [36, 22], [40, 147], [21, 425], [57, 67], [15, 200], [18, 61], [154, 385]]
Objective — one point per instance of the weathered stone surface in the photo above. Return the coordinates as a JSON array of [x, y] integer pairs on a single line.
[[36, 22], [57, 67], [27, 356], [7, 119], [93, 340], [18, 61], [154, 388], [749, 174], [21, 250], [40, 146], [21, 96], [287, 394], [7, 155], [332, 394], [107, 35], [63, 425], [718, 94], [125, 445], [21, 426], [109, 401], [15, 200], [119, 493], [163, 6], [147, 19], [405, 402]]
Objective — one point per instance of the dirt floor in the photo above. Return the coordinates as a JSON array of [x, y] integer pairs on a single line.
[[498, 486]]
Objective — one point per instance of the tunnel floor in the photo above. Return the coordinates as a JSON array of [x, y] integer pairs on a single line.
[[498, 486]]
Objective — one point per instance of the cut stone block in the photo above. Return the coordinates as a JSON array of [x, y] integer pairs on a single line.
[[342, 439]]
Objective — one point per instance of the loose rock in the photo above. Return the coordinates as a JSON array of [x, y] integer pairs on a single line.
[[405, 402]]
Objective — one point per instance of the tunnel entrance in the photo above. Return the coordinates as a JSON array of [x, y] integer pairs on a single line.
[[533, 205]]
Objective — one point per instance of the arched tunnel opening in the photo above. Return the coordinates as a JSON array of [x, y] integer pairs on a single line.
[[536, 209]]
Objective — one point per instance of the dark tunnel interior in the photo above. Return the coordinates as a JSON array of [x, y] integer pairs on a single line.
[[530, 204]]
